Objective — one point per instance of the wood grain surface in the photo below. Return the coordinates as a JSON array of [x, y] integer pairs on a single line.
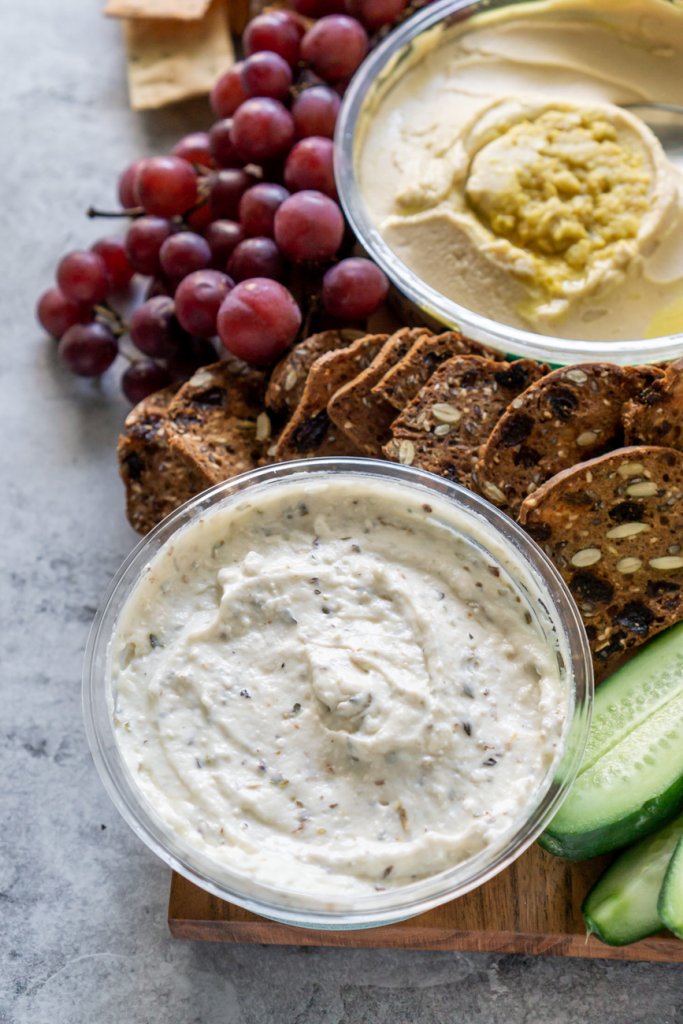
[[534, 907]]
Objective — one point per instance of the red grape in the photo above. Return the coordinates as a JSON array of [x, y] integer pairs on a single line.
[[262, 129], [256, 257], [82, 277], [225, 191], [258, 206], [354, 288], [318, 8], [189, 356], [315, 112], [199, 217], [309, 226], [184, 253], [335, 46], [258, 320], [198, 299], [310, 165], [228, 92], [166, 185], [127, 196], [154, 328], [158, 286], [376, 13], [194, 148], [222, 148], [223, 236], [145, 237], [56, 314], [143, 378], [113, 252], [278, 31], [266, 74], [88, 349]]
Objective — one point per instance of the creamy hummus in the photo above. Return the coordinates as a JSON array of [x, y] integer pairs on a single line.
[[327, 688], [498, 161]]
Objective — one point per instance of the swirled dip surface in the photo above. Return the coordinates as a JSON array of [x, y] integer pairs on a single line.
[[326, 689], [497, 161]]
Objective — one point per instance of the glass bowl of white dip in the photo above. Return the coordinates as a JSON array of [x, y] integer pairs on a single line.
[[438, 170], [337, 692]]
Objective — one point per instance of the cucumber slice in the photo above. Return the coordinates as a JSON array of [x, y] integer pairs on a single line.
[[622, 905], [670, 903], [631, 778]]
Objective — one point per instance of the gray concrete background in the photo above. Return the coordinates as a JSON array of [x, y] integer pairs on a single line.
[[83, 936]]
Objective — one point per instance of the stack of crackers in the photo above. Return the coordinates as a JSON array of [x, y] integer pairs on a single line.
[[588, 458], [176, 48]]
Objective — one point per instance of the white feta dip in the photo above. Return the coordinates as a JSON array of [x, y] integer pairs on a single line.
[[327, 688]]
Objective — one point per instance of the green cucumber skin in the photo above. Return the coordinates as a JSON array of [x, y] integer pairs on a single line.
[[613, 836], [670, 902], [623, 904], [577, 832]]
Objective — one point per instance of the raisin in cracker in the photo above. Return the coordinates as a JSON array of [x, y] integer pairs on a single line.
[[217, 420], [364, 417], [157, 478], [288, 378], [570, 415], [400, 384], [311, 432], [455, 411], [614, 528], [655, 414]]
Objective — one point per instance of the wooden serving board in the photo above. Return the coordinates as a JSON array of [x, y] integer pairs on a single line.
[[534, 907]]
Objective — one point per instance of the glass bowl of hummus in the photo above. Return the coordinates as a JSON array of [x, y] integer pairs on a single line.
[[337, 692], [517, 170]]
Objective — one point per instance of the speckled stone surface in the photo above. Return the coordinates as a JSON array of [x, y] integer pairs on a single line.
[[83, 935]]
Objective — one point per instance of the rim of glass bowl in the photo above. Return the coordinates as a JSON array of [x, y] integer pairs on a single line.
[[393, 904], [427, 299]]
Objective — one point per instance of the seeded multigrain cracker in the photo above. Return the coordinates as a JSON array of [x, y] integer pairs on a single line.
[[310, 431], [453, 414], [614, 528], [286, 384], [171, 60], [158, 479], [363, 416], [570, 415], [655, 414], [217, 420], [403, 381]]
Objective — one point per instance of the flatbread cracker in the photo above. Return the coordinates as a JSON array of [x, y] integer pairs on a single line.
[[311, 432], [157, 478], [405, 379], [171, 60], [363, 416], [180, 10], [613, 526], [443, 427], [217, 421]]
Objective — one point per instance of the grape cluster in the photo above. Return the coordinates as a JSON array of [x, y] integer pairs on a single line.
[[238, 228]]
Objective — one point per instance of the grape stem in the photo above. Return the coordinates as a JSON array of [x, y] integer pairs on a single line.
[[132, 211], [193, 209], [112, 318], [313, 308]]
